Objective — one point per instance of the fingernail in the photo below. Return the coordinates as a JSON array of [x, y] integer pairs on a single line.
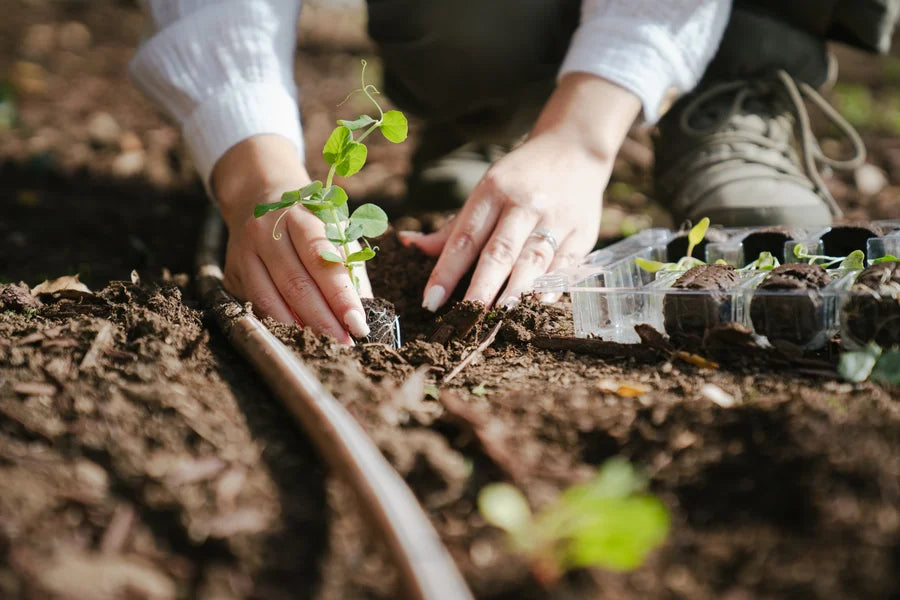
[[509, 301], [434, 296], [356, 323], [550, 297], [406, 237]]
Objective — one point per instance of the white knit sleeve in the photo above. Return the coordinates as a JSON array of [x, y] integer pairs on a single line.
[[647, 46], [223, 69]]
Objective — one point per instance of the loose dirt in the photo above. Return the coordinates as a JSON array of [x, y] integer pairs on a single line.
[[141, 458]]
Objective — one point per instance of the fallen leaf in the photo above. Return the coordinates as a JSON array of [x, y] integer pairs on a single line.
[[696, 360], [622, 389], [66, 282]]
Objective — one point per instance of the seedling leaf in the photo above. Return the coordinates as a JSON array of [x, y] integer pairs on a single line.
[[326, 216], [618, 533], [504, 506], [359, 123], [261, 209], [361, 255], [855, 260], [857, 366], [696, 235], [352, 159], [371, 218], [888, 258], [308, 190], [394, 126], [333, 233], [331, 256], [887, 369], [651, 266], [336, 196], [334, 146]]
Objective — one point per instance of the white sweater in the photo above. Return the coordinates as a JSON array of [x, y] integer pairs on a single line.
[[246, 85]]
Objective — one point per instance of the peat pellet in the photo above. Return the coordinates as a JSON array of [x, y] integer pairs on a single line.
[[768, 239], [687, 317], [788, 305], [841, 240], [384, 326], [872, 312]]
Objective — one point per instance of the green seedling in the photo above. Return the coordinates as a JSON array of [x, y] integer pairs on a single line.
[[873, 363], [609, 522], [695, 236], [888, 258], [764, 262], [346, 155], [855, 260]]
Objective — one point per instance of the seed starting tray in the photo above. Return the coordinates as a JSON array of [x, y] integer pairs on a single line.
[[611, 294]]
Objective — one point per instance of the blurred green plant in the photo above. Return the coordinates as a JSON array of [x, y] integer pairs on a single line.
[[7, 106], [609, 522], [873, 363]]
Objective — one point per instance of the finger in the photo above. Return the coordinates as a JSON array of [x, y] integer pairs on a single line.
[[570, 254], [501, 254], [266, 299], [332, 280], [534, 260], [430, 244], [467, 236], [300, 291]]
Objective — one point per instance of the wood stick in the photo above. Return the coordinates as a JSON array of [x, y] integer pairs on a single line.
[[471, 356]]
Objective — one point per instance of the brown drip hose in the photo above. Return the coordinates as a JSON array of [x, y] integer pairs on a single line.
[[426, 569]]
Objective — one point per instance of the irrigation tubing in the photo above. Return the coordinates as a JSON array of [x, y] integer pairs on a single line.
[[426, 569]]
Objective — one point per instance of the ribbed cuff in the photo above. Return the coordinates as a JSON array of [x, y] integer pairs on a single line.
[[643, 58], [235, 115]]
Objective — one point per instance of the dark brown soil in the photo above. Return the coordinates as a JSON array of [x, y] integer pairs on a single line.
[[873, 311], [770, 239], [138, 451], [844, 239], [689, 316], [787, 306]]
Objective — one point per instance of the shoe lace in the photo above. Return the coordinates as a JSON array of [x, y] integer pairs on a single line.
[[811, 152]]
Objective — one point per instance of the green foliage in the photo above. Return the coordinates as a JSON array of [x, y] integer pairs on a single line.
[[609, 522], [873, 363], [854, 260], [8, 111], [346, 156], [888, 258], [696, 235]]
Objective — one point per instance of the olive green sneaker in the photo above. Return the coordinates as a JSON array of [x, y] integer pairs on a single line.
[[742, 152]]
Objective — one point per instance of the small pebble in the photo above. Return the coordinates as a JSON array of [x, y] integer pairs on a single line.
[[715, 394], [103, 129], [74, 37], [666, 368], [128, 164]]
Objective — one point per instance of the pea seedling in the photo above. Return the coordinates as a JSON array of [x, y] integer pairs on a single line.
[[608, 522], [346, 156], [854, 260]]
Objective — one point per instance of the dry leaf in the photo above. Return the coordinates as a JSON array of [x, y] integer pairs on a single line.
[[696, 360], [66, 282], [623, 389]]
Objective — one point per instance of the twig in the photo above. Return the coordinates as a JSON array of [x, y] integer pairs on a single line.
[[471, 356]]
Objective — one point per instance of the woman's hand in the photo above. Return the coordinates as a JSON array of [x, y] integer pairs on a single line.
[[553, 183], [285, 279]]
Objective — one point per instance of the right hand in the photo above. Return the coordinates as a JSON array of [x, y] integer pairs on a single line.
[[285, 279]]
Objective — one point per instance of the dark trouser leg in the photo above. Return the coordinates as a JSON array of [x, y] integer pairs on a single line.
[[766, 35], [480, 70]]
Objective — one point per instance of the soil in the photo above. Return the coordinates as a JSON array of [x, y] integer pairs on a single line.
[[797, 316], [873, 311], [141, 458], [688, 317]]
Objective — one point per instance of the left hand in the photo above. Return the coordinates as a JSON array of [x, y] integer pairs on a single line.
[[553, 182]]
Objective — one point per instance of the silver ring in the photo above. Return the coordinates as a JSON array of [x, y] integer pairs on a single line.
[[544, 234]]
